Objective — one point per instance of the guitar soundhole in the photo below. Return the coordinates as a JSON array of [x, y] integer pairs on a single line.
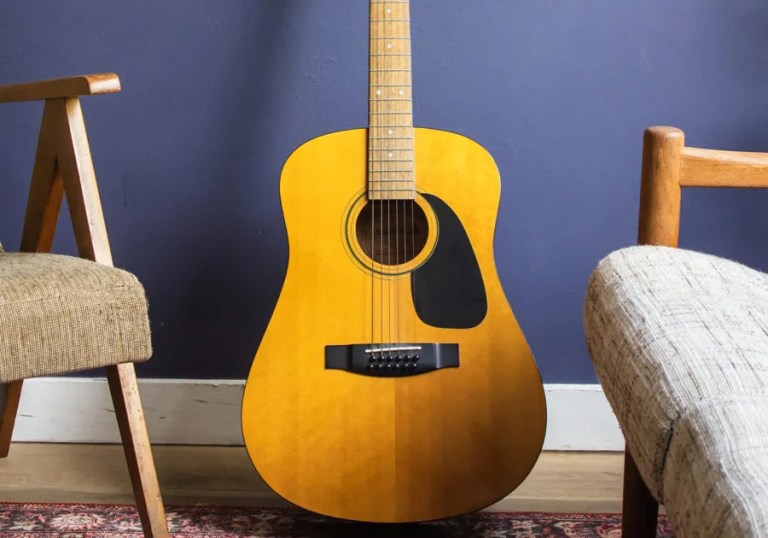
[[392, 232]]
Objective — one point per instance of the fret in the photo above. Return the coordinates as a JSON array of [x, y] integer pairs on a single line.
[[406, 189], [382, 63], [402, 78]]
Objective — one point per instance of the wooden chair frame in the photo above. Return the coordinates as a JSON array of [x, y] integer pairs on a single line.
[[63, 166], [668, 166]]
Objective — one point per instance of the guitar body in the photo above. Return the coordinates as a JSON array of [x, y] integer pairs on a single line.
[[410, 447]]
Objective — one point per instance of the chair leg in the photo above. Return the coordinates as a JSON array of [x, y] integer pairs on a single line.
[[141, 465], [640, 508], [9, 406]]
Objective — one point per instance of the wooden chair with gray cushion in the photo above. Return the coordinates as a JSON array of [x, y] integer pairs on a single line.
[[62, 314], [679, 340]]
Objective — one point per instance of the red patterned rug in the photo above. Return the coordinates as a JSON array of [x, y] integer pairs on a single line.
[[111, 521]]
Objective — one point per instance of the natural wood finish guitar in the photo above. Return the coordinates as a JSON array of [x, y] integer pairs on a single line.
[[393, 383]]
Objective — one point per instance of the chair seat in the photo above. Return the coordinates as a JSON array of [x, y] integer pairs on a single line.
[[669, 329], [61, 314]]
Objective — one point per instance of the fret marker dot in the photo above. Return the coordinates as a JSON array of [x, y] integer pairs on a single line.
[[389, 11], [401, 92], [389, 45], [390, 131], [378, 92], [390, 155]]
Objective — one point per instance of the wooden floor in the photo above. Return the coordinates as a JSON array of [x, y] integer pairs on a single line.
[[560, 482]]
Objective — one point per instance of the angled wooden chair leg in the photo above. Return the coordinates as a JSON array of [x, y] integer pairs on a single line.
[[640, 509], [141, 465], [9, 405]]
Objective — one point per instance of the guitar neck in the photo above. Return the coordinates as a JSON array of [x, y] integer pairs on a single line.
[[390, 119]]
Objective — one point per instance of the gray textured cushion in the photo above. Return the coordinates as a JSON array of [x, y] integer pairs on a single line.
[[668, 329], [716, 477], [60, 314]]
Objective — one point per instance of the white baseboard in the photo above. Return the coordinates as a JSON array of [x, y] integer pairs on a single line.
[[207, 412]]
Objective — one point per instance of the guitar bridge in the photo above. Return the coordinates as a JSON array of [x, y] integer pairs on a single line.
[[391, 360]]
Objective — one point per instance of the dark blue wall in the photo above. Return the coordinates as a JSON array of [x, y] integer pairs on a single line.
[[217, 94]]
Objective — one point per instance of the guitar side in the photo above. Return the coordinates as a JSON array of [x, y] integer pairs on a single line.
[[388, 449]]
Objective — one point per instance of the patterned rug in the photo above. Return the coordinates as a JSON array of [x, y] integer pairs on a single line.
[[111, 521]]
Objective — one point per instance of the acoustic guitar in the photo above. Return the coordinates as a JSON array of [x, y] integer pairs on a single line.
[[393, 383]]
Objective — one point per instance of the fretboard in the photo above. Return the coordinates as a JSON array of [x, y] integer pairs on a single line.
[[391, 167]]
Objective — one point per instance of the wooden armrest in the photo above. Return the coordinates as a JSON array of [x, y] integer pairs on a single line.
[[716, 168], [59, 88]]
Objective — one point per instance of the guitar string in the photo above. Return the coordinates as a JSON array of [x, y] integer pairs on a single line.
[[393, 107], [382, 103], [373, 281], [373, 204]]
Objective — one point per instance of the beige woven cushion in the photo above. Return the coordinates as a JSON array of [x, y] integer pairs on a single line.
[[61, 314], [716, 477], [668, 329]]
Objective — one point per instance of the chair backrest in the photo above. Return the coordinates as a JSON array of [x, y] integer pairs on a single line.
[[63, 165], [668, 166]]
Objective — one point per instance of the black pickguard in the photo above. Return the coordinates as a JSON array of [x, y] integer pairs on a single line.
[[448, 290]]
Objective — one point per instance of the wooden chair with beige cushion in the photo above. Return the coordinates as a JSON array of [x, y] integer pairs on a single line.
[[679, 340], [62, 314]]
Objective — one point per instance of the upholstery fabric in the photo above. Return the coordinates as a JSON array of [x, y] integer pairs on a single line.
[[61, 314], [715, 478], [669, 329]]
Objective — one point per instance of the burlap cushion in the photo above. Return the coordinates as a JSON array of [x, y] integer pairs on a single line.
[[668, 329], [61, 314]]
